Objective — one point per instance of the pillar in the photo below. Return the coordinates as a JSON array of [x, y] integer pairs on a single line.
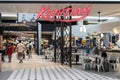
[[1, 38], [39, 39]]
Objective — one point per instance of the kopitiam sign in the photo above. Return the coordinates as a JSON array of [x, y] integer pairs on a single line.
[[51, 15]]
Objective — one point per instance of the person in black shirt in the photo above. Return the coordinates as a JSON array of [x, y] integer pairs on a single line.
[[104, 54], [105, 62]]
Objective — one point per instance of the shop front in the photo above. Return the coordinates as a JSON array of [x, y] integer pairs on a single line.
[[85, 19]]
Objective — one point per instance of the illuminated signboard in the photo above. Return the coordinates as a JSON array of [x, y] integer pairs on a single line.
[[48, 14]]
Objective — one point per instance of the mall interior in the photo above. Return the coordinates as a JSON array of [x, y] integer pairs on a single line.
[[80, 42]]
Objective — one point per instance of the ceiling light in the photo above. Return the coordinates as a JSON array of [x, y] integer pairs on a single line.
[[33, 19], [81, 29], [23, 19], [99, 17], [84, 28]]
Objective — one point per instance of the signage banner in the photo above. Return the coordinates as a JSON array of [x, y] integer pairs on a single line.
[[63, 15]]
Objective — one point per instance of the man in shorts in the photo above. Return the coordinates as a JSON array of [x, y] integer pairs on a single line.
[[20, 50]]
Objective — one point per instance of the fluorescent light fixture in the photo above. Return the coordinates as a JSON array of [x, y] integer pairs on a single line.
[[84, 28], [5, 14], [94, 17]]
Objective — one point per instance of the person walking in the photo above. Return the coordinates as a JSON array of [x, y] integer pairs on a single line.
[[29, 48], [20, 50], [10, 51]]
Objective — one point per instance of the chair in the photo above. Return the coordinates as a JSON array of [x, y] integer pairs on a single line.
[[114, 60], [85, 63], [100, 65], [92, 63]]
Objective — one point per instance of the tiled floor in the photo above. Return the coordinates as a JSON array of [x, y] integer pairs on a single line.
[[4, 75], [38, 68], [55, 73]]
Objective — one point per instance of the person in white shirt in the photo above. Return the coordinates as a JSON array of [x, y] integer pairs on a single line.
[[20, 50]]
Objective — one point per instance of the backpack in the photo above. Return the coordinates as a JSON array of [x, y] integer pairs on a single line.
[[30, 47]]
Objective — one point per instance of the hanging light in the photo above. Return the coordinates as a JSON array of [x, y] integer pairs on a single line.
[[33, 18], [84, 28], [102, 35], [99, 17], [81, 29], [23, 19]]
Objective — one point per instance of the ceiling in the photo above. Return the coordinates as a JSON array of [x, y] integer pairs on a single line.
[[105, 9]]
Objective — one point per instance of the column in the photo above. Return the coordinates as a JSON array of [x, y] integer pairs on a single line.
[[39, 39], [55, 42], [35, 42], [1, 39], [62, 44]]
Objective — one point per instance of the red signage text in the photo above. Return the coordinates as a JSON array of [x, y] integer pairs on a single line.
[[51, 15]]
